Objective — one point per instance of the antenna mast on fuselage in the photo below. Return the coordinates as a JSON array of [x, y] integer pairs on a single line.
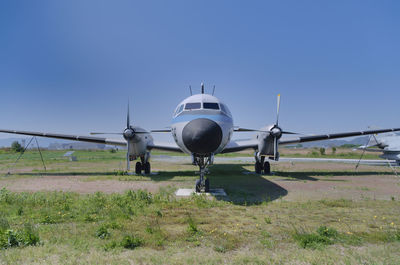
[[202, 88]]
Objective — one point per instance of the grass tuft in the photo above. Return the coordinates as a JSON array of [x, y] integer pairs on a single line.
[[131, 241]]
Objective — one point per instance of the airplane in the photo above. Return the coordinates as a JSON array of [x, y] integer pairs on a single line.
[[202, 127]]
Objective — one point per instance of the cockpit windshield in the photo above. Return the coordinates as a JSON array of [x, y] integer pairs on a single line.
[[210, 105], [191, 106]]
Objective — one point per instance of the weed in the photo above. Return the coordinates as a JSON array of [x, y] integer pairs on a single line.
[[131, 242], [20, 211], [25, 237], [267, 220], [102, 232], [47, 219], [324, 236], [265, 239], [327, 232], [110, 245], [192, 226]]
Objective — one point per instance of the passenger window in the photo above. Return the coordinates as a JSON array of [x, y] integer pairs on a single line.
[[210, 105], [195, 105]]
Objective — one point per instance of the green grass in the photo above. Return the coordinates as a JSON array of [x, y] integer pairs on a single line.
[[109, 225]]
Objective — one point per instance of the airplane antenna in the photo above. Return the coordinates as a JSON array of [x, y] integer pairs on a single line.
[[213, 90], [202, 88], [191, 93]]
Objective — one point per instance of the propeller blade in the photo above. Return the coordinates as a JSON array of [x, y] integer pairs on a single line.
[[277, 109], [275, 147], [362, 154], [96, 133], [128, 166], [128, 123]]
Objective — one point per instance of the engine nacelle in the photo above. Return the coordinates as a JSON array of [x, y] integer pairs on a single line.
[[265, 141]]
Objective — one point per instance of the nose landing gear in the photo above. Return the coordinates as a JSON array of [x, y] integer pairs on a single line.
[[203, 183]]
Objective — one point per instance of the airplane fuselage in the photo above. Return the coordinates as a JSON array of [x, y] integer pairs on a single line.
[[202, 125]]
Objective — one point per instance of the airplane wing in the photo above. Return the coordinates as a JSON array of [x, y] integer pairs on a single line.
[[90, 139], [376, 162], [164, 146], [235, 146], [240, 145], [312, 138]]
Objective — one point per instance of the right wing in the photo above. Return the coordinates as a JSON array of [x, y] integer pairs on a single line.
[[169, 146], [90, 139]]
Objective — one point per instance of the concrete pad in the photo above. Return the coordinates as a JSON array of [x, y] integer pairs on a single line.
[[189, 192]]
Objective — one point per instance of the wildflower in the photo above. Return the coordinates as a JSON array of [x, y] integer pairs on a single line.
[[225, 234], [383, 218], [349, 233], [375, 217], [339, 219], [380, 227], [257, 225], [392, 224]]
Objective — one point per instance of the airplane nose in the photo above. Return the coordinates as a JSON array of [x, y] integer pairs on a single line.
[[202, 136]]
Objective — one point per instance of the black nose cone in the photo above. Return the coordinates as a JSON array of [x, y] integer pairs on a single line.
[[202, 136]]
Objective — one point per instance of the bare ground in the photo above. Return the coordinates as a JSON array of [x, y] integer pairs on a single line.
[[302, 181]]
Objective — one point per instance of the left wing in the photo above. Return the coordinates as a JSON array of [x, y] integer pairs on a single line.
[[376, 162], [236, 146], [90, 139]]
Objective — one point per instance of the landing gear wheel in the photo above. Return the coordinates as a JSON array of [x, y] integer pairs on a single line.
[[207, 185], [257, 167], [138, 168], [267, 168], [198, 185], [146, 168]]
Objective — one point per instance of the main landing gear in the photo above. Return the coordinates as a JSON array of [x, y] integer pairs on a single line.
[[262, 166], [203, 183], [144, 166]]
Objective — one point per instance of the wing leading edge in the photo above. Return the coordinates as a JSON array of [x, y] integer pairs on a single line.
[[320, 137], [90, 139]]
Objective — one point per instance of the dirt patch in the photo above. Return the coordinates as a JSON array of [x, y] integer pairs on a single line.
[[78, 184]]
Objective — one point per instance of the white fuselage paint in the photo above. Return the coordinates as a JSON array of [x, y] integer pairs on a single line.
[[222, 117]]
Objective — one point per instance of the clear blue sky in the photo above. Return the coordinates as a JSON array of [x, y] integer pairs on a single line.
[[70, 66]]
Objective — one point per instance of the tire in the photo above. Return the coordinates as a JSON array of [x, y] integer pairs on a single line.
[[138, 168], [267, 168], [257, 167], [207, 185], [147, 168], [198, 189]]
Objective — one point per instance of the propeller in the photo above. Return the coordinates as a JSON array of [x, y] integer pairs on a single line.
[[276, 131], [128, 134]]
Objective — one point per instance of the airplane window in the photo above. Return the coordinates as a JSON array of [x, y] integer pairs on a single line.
[[195, 105], [180, 109], [225, 109], [209, 105]]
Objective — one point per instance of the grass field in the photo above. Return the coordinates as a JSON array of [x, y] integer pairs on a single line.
[[303, 214]]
